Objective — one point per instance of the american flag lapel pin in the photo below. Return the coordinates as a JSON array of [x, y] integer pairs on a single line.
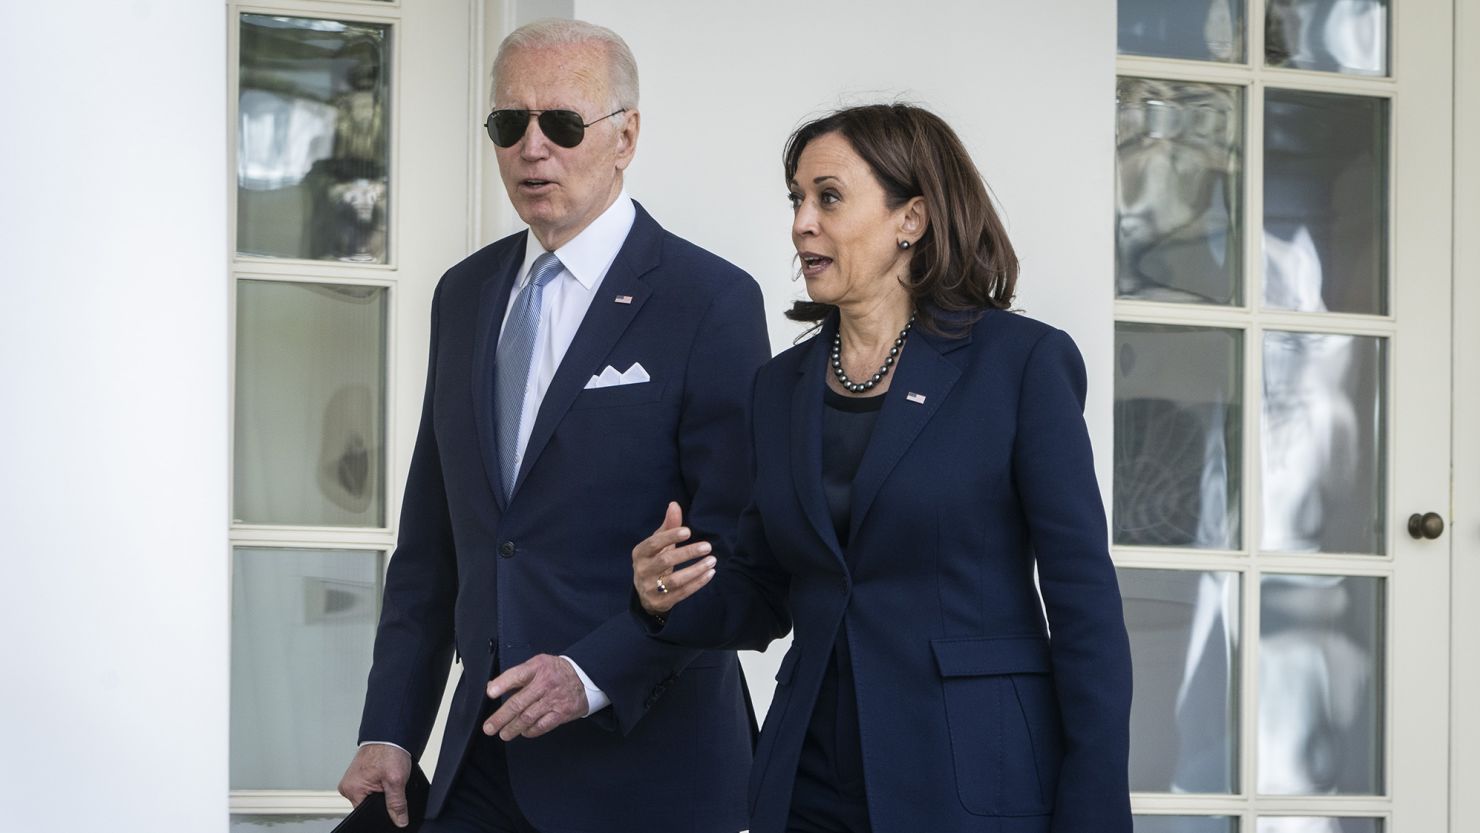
[[624, 299], [917, 398]]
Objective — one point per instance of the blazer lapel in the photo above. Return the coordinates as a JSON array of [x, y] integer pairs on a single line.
[[603, 324], [924, 376], [492, 303], [806, 437]]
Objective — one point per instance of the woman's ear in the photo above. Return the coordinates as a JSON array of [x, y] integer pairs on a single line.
[[914, 219]]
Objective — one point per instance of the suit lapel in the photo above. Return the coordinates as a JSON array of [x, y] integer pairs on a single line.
[[806, 437], [600, 329], [492, 302], [924, 376]]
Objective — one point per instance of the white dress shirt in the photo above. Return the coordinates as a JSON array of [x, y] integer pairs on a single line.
[[564, 301]]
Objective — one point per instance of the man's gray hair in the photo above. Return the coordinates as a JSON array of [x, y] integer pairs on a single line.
[[621, 66]]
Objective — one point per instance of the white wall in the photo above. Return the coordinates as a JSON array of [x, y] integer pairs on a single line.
[[113, 427], [1029, 86]]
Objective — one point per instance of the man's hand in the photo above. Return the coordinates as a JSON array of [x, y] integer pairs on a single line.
[[547, 693], [656, 562], [379, 767]]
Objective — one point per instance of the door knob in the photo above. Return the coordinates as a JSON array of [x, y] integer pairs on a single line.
[[1428, 525]]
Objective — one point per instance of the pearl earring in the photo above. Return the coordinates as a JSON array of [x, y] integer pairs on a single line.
[[904, 244]]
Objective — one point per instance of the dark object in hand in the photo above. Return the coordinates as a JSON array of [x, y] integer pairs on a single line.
[[372, 817]]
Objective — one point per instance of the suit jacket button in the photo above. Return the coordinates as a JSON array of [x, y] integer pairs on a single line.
[[843, 585], [506, 549]]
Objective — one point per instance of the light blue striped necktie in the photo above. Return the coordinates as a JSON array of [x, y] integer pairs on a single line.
[[515, 353]]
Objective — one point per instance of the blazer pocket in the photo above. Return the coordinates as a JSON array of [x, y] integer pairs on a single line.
[[637, 393], [1003, 718]]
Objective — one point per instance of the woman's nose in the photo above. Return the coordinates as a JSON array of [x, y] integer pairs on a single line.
[[804, 221]]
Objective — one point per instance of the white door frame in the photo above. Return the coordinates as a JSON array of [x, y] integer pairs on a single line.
[[1464, 511]]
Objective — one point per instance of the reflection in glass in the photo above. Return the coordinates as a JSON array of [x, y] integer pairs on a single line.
[[1178, 436], [1349, 36], [1324, 447], [1178, 191], [283, 823], [1185, 824], [1198, 30], [312, 139], [302, 630], [310, 404], [1325, 202], [1184, 629], [1317, 824], [1320, 685]]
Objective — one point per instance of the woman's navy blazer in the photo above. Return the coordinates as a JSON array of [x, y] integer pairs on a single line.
[[974, 713]]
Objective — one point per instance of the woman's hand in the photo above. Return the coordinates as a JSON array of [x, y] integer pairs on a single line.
[[660, 584]]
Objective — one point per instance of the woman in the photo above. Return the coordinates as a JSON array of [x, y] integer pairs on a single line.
[[914, 462]]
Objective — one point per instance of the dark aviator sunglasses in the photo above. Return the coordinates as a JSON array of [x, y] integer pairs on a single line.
[[563, 127]]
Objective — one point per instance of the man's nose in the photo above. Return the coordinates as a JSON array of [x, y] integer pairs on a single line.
[[534, 144]]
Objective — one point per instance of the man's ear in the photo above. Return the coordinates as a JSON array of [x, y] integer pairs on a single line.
[[627, 138]]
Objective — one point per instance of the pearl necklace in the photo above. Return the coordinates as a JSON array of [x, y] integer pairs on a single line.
[[860, 387]]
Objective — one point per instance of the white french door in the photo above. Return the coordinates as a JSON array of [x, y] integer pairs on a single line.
[[353, 163], [1282, 407]]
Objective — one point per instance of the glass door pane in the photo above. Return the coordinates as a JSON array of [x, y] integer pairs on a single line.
[[1185, 824], [1325, 202], [1197, 30], [1324, 443], [1178, 436], [1321, 667], [1349, 36], [283, 823], [310, 404], [313, 135], [302, 632], [1179, 191], [1318, 824], [1185, 634]]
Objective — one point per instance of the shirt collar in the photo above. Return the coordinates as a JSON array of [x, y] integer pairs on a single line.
[[589, 254]]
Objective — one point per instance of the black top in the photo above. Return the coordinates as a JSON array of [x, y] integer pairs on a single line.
[[829, 791], [847, 423]]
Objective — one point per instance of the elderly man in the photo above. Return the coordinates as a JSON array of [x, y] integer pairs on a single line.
[[582, 374]]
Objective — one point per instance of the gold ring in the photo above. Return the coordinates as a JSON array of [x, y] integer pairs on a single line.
[[662, 588]]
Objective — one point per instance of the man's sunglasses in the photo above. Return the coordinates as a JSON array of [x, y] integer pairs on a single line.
[[563, 127]]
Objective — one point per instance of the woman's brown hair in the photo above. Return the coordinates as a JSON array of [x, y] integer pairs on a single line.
[[963, 264]]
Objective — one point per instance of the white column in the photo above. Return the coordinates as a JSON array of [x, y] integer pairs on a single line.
[[114, 424]]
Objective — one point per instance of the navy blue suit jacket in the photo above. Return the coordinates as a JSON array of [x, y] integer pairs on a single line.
[[979, 468], [550, 570]]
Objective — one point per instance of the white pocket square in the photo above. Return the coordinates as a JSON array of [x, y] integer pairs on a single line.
[[608, 378]]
